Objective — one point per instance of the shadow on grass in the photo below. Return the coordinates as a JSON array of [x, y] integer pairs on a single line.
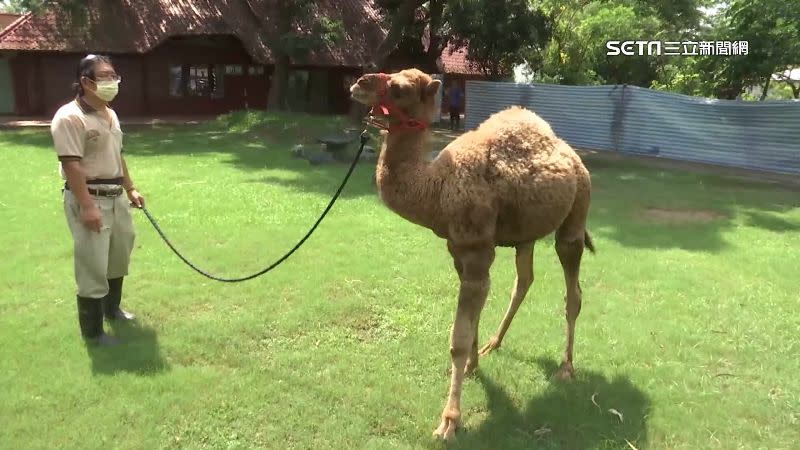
[[622, 189], [32, 137], [771, 222], [262, 150], [705, 207], [563, 416], [138, 353]]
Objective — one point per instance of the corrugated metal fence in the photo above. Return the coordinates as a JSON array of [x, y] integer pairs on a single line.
[[630, 119]]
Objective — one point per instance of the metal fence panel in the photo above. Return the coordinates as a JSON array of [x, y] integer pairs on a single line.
[[630, 119]]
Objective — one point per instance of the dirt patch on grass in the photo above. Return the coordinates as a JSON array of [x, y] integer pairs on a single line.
[[729, 176], [679, 216], [368, 325]]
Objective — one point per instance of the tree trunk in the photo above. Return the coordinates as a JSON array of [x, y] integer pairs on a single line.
[[279, 84], [280, 76], [730, 91], [437, 41], [403, 16], [766, 88], [795, 89]]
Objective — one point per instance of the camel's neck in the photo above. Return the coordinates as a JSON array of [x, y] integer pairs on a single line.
[[404, 178]]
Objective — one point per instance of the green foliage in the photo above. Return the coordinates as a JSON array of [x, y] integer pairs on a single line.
[[773, 32], [576, 54], [683, 76], [20, 6], [777, 91], [309, 30], [36, 6], [497, 33], [773, 35]]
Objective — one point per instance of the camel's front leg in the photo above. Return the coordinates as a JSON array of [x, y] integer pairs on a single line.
[[570, 253], [471, 298], [472, 361]]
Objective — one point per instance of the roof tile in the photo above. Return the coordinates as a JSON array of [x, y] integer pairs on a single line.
[[138, 26]]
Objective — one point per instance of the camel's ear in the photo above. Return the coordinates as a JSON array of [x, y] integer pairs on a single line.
[[432, 88]]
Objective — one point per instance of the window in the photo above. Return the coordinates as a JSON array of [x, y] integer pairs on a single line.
[[233, 69], [175, 81], [256, 70], [196, 81]]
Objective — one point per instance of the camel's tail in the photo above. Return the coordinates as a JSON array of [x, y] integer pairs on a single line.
[[587, 241]]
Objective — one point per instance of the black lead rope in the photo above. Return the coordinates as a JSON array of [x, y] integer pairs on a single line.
[[364, 138]]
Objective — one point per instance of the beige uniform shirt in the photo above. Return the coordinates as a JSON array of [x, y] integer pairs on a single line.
[[83, 133]]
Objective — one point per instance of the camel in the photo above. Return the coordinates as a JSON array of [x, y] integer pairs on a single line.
[[508, 183]]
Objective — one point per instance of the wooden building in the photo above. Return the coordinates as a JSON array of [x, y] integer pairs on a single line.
[[182, 57]]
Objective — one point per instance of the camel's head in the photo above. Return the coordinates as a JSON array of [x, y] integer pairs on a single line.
[[403, 98]]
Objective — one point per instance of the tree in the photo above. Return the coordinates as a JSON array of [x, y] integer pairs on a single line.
[[301, 29], [772, 33], [13, 6], [400, 18], [792, 85], [576, 54], [497, 33], [73, 7], [493, 32]]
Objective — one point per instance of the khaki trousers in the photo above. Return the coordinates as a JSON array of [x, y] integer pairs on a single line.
[[101, 256]]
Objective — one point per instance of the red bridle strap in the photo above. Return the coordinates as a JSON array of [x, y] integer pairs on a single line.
[[389, 109]]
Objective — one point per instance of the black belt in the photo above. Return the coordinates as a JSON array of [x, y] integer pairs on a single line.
[[105, 181], [113, 192]]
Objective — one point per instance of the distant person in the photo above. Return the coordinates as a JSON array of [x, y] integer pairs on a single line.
[[88, 141], [455, 98]]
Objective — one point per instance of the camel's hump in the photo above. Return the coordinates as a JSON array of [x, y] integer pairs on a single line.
[[515, 117]]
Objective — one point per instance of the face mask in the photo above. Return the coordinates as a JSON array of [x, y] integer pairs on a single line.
[[107, 90]]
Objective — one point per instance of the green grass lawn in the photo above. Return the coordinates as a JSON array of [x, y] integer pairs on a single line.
[[689, 326]]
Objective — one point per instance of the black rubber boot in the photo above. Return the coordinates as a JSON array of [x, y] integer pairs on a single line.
[[112, 300], [90, 318]]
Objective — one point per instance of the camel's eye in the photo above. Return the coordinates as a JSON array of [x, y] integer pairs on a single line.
[[397, 90]]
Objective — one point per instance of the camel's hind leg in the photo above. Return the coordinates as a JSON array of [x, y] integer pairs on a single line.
[[524, 262]]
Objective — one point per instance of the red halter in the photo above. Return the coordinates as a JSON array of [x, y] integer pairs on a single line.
[[389, 109]]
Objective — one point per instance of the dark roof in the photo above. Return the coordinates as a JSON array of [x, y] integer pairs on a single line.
[[7, 19], [137, 26], [455, 62]]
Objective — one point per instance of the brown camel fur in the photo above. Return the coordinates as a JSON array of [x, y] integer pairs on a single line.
[[508, 183]]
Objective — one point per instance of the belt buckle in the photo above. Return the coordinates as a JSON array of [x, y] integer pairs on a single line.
[[108, 193]]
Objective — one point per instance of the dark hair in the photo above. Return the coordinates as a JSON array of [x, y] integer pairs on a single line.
[[86, 69]]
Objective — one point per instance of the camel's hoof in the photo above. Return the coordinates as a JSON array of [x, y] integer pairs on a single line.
[[493, 344], [566, 372], [446, 430]]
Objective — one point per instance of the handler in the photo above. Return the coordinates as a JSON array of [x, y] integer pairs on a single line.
[[88, 140]]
